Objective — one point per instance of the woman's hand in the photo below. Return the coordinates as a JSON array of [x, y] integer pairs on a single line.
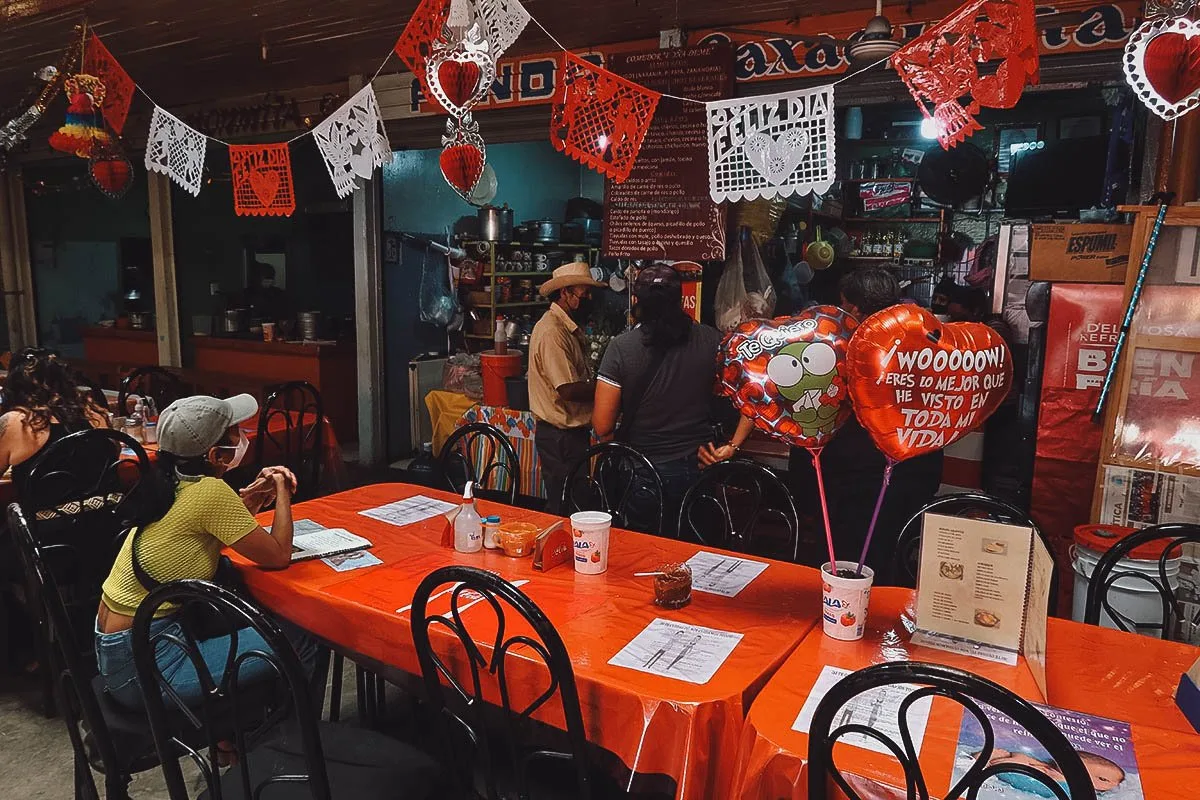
[[259, 494], [710, 454], [268, 472]]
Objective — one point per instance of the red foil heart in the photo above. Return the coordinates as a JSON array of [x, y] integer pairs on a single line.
[[462, 166], [918, 384], [460, 80], [1172, 65], [788, 375]]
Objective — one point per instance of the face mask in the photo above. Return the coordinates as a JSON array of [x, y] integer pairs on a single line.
[[239, 450], [584, 310]]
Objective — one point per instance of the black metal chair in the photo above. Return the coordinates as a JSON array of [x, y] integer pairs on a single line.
[[969, 691], [502, 751], [616, 478], [283, 751], [481, 453], [103, 734], [297, 443], [731, 504], [159, 383], [975, 505], [1174, 621]]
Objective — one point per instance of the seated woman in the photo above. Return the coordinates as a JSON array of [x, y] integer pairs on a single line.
[[659, 379], [42, 404], [198, 515]]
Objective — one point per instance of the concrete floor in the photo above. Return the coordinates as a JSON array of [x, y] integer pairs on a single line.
[[36, 760]]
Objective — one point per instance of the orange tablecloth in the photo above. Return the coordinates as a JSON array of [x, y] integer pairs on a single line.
[[655, 725], [772, 758]]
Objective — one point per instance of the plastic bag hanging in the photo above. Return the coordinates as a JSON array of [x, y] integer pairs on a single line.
[[729, 305], [435, 299], [760, 294]]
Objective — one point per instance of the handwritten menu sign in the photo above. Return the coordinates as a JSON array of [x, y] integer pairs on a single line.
[[983, 589], [663, 210]]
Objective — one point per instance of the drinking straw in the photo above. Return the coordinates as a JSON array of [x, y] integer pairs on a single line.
[[816, 457], [887, 478], [1164, 198]]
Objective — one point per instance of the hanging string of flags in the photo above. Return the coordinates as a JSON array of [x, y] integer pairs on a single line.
[[759, 147]]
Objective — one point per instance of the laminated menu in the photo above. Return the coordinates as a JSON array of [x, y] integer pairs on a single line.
[[1104, 745], [327, 542], [983, 589]]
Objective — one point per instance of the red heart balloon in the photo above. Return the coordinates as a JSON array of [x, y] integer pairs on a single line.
[[788, 374], [1172, 65], [462, 166], [918, 384], [460, 80]]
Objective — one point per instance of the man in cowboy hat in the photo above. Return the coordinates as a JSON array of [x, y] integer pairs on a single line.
[[561, 388]]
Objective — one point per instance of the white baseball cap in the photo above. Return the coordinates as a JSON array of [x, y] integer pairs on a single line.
[[191, 426]]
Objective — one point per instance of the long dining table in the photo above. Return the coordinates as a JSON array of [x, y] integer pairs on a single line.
[[1091, 670], [655, 726]]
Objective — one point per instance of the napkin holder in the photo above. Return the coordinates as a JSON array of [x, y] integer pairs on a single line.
[[1187, 696], [553, 546], [448, 531]]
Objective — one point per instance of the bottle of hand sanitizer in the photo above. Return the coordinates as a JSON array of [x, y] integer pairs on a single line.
[[468, 525]]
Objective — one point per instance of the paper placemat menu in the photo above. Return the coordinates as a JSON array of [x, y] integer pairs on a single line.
[[689, 653], [300, 526], [877, 708], [410, 510], [723, 575]]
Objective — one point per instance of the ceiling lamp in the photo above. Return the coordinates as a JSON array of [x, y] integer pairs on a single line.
[[876, 42]]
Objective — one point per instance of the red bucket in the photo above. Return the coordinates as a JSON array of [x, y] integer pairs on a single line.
[[495, 369]]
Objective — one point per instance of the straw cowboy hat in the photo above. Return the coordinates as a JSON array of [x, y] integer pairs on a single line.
[[577, 273]]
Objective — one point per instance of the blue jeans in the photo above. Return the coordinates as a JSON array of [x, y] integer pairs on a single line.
[[114, 656]]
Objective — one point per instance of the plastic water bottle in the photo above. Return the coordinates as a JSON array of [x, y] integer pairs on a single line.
[[468, 525]]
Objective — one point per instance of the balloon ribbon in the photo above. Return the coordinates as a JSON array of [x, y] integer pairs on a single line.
[[887, 478], [815, 452]]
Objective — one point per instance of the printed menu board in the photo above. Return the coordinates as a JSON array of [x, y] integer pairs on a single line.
[[663, 210], [983, 590]]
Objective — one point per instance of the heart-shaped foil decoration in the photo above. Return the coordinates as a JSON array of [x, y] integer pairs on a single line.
[[463, 156], [1162, 64], [460, 76]]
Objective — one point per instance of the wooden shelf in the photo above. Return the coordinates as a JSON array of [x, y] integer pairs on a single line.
[[556, 245], [878, 180], [486, 337], [542, 302], [900, 261], [882, 142], [895, 220], [521, 274]]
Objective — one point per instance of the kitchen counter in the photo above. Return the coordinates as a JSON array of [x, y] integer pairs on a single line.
[[121, 349]]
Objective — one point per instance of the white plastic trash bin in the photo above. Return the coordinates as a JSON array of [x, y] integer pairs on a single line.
[[1134, 598]]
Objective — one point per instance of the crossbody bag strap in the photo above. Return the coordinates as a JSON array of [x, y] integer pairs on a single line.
[[143, 577], [631, 401]]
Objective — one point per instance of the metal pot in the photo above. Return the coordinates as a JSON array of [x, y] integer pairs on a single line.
[[496, 224], [310, 324], [140, 320], [236, 320], [546, 231]]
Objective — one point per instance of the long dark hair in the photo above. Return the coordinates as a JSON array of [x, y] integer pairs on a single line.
[[47, 388], [165, 475], [664, 323]]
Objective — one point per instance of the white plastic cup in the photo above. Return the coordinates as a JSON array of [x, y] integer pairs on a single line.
[[844, 601], [590, 532]]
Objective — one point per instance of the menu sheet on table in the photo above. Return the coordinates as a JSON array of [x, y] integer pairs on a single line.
[[723, 575], [409, 510], [877, 708], [300, 526], [672, 649], [357, 559]]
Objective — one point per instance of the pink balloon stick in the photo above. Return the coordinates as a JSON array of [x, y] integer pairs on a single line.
[[816, 457], [887, 478]]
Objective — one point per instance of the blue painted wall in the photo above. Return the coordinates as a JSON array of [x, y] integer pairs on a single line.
[[533, 178]]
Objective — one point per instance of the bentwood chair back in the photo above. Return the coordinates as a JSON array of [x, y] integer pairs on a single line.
[[967, 690], [291, 432], [156, 382], [481, 453], [616, 478], [973, 505], [1174, 621], [509, 755], [282, 749], [742, 506], [115, 740]]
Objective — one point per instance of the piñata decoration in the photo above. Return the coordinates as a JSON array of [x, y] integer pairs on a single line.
[[84, 126], [460, 76], [771, 146], [503, 22], [119, 87], [262, 180], [176, 150], [1162, 64], [424, 28], [600, 119], [109, 169], [940, 67], [463, 156], [353, 142]]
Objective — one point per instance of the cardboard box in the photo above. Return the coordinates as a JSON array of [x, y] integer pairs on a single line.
[[1080, 253]]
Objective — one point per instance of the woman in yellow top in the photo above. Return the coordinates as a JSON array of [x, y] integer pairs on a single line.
[[199, 440]]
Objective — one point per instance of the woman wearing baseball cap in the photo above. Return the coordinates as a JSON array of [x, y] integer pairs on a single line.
[[198, 515]]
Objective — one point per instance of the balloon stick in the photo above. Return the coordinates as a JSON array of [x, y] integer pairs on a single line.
[[816, 457], [887, 478]]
